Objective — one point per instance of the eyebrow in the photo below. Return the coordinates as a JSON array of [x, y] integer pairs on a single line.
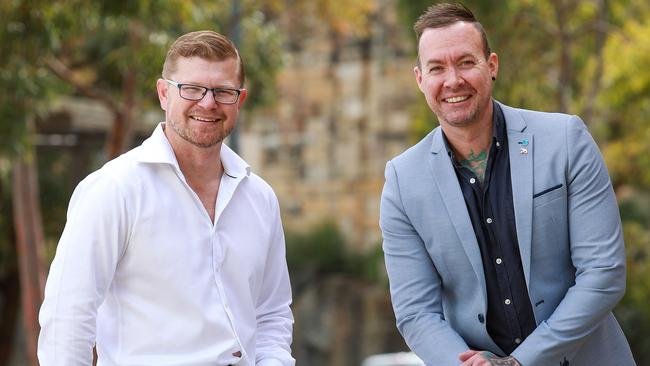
[[203, 86], [439, 61]]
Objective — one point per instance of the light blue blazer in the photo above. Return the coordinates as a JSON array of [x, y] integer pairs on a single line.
[[570, 242]]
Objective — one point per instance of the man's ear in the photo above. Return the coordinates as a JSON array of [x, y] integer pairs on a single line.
[[162, 87], [242, 97], [493, 64], [418, 77]]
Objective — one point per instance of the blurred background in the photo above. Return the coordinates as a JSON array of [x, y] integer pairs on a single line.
[[332, 98]]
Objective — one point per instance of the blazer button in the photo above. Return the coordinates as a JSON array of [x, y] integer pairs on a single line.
[[481, 318]]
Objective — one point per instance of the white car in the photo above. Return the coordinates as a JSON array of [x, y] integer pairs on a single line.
[[393, 359]]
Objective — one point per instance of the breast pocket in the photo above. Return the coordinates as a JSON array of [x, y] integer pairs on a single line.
[[550, 226], [549, 194]]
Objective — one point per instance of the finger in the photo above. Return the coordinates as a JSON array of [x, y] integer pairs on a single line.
[[475, 360], [467, 355]]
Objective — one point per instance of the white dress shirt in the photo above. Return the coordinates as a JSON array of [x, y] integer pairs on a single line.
[[142, 270]]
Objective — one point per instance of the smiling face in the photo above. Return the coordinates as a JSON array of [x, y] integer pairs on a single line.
[[203, 123], [455, 76]]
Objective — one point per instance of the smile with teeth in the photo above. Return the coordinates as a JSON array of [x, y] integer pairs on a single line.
[[456, 99], [203, 119]]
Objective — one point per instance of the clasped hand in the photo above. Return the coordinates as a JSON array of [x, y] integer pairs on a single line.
[[485, 358]]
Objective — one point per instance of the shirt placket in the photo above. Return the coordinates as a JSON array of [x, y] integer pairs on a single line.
[[503, 277], [227, 188]]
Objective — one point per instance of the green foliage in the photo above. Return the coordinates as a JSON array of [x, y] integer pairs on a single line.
[[7, 250], [262, 55], [422, 120], [57, 183], [627, 95], [322, 251], [25, 83], [103, 41], [633, 312]]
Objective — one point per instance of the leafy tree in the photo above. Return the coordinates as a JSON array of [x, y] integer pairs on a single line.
[[26, 88]]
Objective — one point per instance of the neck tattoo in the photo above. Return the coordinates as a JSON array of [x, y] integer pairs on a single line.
[[476, 163]]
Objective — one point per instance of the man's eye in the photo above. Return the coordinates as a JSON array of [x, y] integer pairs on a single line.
[[467, 64], [192, 89], [436, 69], [226, 92]]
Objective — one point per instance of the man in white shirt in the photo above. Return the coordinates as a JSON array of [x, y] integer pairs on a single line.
[[173, 253]]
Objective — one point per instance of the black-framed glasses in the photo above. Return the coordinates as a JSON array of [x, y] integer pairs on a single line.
[[197, 92]]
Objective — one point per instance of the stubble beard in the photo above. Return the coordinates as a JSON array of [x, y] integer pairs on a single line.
[[186, 134], [469, 119]]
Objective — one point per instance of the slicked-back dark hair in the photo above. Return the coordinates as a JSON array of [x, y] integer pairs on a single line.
[[446, 14]]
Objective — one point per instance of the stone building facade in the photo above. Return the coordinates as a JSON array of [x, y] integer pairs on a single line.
[[343, 110]]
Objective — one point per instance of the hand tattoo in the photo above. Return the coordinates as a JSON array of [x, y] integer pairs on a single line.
[[500, 361], [476, 163]]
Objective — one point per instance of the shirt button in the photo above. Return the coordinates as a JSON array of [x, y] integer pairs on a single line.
[[498, 144], [481, 318], [499, 261], [507, 301], [489, 220], [517, 340], [472, 181]]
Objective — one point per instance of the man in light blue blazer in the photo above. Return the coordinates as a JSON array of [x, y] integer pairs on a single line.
[[502, 236]]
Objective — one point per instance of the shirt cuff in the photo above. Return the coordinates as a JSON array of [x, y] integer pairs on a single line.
[[270, 362]]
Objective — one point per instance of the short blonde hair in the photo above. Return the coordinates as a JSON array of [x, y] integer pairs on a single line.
[[205, 44]]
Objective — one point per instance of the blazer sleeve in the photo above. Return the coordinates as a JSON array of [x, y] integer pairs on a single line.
[[415, 285], [597, 253]]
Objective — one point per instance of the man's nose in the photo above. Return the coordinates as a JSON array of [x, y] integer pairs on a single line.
[[208, 100], [453, 78]]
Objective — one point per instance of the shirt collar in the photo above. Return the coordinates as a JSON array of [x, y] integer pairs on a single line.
[[499, 122], [157, 149]]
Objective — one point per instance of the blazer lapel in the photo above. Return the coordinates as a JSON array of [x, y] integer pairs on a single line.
[[521, 152], [452, 196]]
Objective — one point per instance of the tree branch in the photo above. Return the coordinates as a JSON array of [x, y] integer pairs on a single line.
[[64, 73]]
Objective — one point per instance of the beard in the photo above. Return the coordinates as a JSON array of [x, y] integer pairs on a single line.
[[213, 133], [462, 121], [467, 116]]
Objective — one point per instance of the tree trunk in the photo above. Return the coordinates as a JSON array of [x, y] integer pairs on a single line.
[[9, 303], [565, 75], [361, 184], [29, 247], [602, 30], [121, 132]]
